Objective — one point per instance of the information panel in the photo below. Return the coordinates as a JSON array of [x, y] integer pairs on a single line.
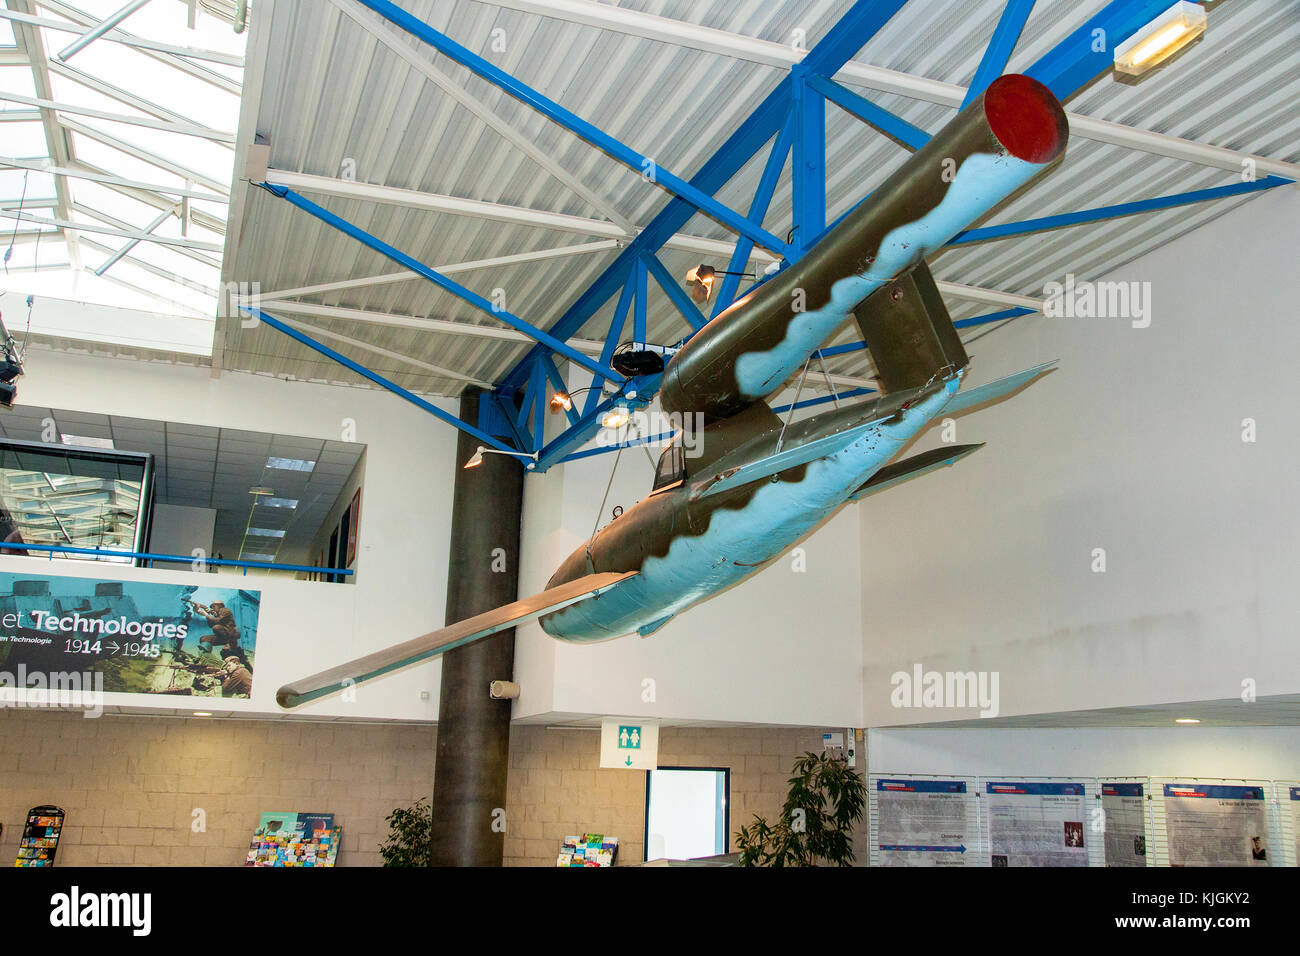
[[1216, 825], [86, 635], [1294, 803], [922, 822], [1036, 824], [1125, 834]]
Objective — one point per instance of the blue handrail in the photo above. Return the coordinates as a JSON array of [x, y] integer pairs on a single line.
[[173, 558]]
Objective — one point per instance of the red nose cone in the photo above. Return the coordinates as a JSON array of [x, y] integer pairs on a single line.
[[1026, 118]]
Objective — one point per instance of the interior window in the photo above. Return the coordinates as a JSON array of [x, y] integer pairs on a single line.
[[671, 467], [686, 813]]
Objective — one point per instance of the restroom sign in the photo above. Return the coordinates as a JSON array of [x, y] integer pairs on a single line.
[[629, 743]]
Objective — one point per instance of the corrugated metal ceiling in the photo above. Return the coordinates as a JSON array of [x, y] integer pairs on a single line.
[[335, 96]]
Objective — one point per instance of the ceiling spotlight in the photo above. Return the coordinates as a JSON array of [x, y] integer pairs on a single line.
[[1160, 39], [700, 282], [563, 401], [476, 459], [616, 417]]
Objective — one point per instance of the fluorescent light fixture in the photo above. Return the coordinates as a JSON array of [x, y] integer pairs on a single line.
[[278, 502], [268, 558], [260, 490], [203, 713], [1186, 720], [266, 532], [1161, 38], [290, 464], [86, 442]]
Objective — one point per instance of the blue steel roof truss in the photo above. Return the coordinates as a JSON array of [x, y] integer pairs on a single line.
[[792, 119]]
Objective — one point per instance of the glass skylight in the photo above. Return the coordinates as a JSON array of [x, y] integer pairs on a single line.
[[278, 502], [290, 464], [115, 169]]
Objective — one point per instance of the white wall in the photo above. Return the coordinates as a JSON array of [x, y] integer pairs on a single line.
[[1135, 446], [402, 561], [1263, 753]]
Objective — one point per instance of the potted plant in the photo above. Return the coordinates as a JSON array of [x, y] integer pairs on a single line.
[[827, 799], [409, 832]]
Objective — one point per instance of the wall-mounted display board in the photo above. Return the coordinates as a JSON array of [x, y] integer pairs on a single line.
[[294, 840], [1034, 823], [1289, 818], [1216, 824], [1123, 819], [40, 839], [142, 637], [919, 822]]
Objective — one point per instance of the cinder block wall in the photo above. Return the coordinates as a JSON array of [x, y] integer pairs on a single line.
[[557, 788], [131, 785]]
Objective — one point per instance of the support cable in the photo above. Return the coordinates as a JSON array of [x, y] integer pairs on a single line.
[[793, 405]]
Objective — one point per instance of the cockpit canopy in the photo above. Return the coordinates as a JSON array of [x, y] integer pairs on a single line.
[[672, 465]]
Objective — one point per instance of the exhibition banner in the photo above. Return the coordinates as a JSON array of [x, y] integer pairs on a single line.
[[1036, 824], [60, 634], [1124, 834], [1216, 825], [922, 822]]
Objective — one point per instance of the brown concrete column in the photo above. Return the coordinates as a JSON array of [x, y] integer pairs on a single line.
[[469, 784]]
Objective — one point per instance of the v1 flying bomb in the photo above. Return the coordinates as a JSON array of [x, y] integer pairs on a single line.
[[760, 484]]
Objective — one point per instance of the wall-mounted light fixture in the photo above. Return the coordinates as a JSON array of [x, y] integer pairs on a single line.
[[530, 458]]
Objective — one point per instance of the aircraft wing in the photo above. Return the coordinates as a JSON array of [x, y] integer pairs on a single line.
[[438, 642], [968, 398], [912, 467], [788, 458]]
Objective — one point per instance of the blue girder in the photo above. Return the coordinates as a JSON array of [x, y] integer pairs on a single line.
[[792, 119]]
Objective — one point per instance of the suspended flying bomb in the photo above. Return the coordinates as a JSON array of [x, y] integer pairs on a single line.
[[760, 484]]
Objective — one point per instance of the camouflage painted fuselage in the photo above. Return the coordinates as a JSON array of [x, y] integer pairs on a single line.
[[688, 545], [688, 549]]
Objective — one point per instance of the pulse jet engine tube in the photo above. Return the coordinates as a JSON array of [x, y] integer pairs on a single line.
[[1005, 137]]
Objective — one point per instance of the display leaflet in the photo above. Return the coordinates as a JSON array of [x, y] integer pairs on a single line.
[[1216, 825], [1125, 834], [1036, 824], [922, 822]]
